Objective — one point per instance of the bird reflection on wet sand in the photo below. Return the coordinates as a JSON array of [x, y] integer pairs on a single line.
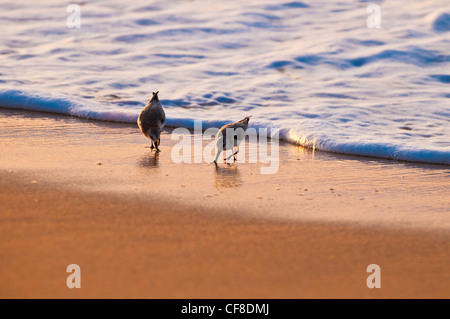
[[151, 161], [228, 176]]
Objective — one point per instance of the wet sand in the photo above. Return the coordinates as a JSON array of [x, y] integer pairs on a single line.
[[142, 226]]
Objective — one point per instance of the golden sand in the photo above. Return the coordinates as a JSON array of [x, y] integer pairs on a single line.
[[142, 226]]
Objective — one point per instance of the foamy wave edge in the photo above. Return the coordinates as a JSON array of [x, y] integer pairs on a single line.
[[59, 104]]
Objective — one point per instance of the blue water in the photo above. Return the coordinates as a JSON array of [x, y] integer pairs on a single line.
[[313, 69]]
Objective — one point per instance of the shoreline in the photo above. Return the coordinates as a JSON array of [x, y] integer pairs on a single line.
[[142, 226], [168, 127], [73, 148]]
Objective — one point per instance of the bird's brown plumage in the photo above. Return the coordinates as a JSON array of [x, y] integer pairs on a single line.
[[152, 119], [238, 128]]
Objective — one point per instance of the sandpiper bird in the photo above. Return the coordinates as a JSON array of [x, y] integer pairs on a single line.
[[235, 134], [151, 120]]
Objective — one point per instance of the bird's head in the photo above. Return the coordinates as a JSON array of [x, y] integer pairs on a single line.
[[155, 134], [155, 97], [246, 119]]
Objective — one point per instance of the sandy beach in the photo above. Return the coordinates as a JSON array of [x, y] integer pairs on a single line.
[[90, 193]]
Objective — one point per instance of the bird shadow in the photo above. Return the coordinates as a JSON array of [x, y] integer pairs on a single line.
[[150, 161], [227, 176]]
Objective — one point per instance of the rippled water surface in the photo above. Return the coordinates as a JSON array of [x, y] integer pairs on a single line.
[[313, 69]]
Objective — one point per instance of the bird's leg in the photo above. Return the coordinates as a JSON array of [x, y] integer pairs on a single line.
[[226, 158], [217, 156], [234, 154], [235, 157], [152, 146], [157, 144]]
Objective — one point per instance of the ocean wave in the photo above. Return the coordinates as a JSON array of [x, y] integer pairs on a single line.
[[442, 23], [59, 104], [312, 69]]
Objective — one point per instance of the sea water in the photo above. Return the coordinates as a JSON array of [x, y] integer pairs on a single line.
[[316, 70]]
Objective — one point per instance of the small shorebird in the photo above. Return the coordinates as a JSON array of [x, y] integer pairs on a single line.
[[151, 120], [236, 134]]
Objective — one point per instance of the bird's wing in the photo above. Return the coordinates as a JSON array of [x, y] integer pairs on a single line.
[[163, 118]]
